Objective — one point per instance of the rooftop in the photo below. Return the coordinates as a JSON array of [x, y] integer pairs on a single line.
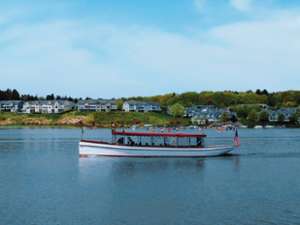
[[134, 102]]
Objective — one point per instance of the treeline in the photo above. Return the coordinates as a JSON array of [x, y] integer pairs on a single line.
[[13, 94], [219, 98], [9, 95], [228, 98]]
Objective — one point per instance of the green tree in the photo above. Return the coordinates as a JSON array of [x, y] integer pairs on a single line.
[[234, 118], [225, 117], [119, 103], [263, 118], [50, 97], [15, 95], [252, 119], [294, 119], [241, 111], [281, 118], [220, 98], [177, 110], [290, 104]]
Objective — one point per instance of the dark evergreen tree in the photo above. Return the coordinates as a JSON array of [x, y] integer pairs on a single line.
[[50, 97]]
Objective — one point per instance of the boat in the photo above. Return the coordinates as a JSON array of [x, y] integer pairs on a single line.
[[151, 144]]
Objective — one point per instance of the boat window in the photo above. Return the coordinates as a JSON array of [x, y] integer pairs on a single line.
[[158, 141]]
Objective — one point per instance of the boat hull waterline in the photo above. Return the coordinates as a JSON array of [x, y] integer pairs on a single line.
[[92, 149]]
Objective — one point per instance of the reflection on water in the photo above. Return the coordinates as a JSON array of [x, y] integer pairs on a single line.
[[141, 165]]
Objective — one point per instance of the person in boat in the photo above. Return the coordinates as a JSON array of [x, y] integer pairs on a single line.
[[130, 141], [120, 141], [199, 142]]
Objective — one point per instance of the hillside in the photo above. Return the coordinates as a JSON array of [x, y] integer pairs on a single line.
[[92, 119]]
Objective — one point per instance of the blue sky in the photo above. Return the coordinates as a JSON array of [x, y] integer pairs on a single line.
[[128, 48]]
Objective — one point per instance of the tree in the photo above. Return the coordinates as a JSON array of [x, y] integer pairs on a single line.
[[252, 119], [15, 95], [225, 117], [177, 110], [50, 97], [281, 118], [265, 92], [264, 118], [272, 101], [258, 92], [294, 119], [233, 118], [119, 103]]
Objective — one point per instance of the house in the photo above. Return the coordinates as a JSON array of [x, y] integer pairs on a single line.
[[258, 105], [31, 107], [47, 106], [10, 106], [100, 105], [286, 112], [137, 106], [206, 113], [61, 106]]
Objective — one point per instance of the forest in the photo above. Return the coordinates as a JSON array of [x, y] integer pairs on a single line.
[[228, 98]]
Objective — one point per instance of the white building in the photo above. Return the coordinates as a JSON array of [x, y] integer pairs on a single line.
[[47, 107], [286, 112], [136, 106], [10, 106], [100, 105], [207, 113]]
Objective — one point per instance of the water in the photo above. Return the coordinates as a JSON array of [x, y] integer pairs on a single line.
[[43, 182]]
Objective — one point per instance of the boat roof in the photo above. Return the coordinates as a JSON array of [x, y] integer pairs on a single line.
[[158, 134]]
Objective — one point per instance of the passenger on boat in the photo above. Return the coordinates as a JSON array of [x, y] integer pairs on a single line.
[[130, 141], [120, 141], [199, 142]]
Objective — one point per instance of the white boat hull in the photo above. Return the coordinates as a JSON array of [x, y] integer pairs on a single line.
[[87, 149]]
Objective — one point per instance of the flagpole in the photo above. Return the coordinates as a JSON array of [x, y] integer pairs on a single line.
[[236, 140], [82, 132]]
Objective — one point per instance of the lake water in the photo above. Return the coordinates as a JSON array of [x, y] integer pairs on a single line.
[[43, 182]]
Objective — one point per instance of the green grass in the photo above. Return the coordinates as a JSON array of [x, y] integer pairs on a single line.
[[134, 118], [98, 119]]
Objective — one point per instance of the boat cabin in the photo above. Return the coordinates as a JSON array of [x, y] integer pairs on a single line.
[[158, 139]]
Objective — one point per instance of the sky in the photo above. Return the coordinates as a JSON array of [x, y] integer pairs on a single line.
[[122, 48]]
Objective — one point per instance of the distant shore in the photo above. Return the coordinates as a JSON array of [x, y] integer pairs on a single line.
[[100, 120]]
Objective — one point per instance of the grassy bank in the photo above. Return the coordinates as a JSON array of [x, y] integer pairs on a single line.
[[96, 119]]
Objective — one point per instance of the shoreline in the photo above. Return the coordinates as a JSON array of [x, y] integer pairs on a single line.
[[92, 119], [75, 119], [21, 126]]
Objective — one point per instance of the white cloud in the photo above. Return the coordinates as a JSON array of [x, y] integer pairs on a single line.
[[242, 5], [104, 60]]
